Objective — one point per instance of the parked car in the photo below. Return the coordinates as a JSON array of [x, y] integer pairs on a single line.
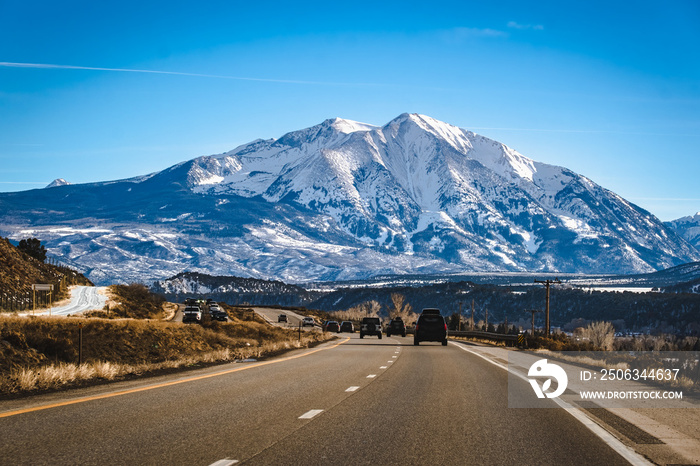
[[282, 318], [192, 314], [431, 326], [332, 326], [347, 326], [308, 321], [396, 327], [371, 326]]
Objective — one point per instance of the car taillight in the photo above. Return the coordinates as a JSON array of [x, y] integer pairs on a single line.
[[445, 327]]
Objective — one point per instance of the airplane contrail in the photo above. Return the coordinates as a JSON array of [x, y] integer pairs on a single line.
[[176, 73]]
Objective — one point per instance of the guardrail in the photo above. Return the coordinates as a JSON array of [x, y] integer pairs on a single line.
[[510, 340]]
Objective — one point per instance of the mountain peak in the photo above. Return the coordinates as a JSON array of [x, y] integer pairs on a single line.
[[347, 126], [57, 182], [347, 200]]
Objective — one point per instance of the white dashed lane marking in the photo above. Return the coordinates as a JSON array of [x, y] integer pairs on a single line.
[[311, 414], [224, 462], [351, 389]]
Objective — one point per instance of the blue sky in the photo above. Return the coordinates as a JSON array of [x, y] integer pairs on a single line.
[[610, 90]]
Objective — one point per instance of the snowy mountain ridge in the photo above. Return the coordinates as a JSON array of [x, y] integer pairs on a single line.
[[348, 200], [689, 228]]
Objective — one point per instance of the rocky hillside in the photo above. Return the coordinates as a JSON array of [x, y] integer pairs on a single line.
[[18, 271]]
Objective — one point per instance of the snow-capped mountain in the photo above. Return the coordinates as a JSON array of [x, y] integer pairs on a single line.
[[688, 228], [346, 200], [57, 182]]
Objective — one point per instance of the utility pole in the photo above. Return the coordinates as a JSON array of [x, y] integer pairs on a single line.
[[472, 322], [533, 319], [459, 326], [547, 283], [487, 319]]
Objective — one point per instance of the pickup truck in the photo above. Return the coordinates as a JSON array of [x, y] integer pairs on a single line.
[[192, 314]]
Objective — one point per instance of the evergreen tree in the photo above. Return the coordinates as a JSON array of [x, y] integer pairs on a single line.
[[33, 248]]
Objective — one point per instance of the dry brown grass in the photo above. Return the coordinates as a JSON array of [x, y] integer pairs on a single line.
[[41, 353]]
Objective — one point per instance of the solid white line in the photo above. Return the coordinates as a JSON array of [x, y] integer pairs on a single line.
[[371, 376], [311, 414], [224, 462], [623, 450], [352, 389]]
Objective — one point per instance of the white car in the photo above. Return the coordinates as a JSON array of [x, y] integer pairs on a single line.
[[308, 321]]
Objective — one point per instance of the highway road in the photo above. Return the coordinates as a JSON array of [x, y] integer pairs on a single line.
[[83, 298], [271, 315], [350, 401]]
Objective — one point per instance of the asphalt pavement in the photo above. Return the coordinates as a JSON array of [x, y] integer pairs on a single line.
[[350, 401]]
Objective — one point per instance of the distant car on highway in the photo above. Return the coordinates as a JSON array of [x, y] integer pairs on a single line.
[[217, 313], [332, 326], [308, 321], [396, 327], [282, 318], [371, 326], [192, 314], [347, 326], [431, 326]]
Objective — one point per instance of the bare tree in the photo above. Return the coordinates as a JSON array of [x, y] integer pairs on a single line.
[[373, 308], [356, 313], [400, 308], [601, 334]]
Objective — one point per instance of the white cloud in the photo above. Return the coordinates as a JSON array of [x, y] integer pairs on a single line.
[[516, 25], [460, 34]]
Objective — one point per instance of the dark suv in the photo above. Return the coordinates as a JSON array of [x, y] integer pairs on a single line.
[[431, 326], [371, 326], [396, 327], [331, 326]]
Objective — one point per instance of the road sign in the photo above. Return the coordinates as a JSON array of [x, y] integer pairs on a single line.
[[40, 287]]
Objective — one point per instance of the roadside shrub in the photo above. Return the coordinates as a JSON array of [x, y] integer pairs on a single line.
[[137, 302]]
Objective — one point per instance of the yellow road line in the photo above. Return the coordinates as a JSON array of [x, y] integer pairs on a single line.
[[162, 385]]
